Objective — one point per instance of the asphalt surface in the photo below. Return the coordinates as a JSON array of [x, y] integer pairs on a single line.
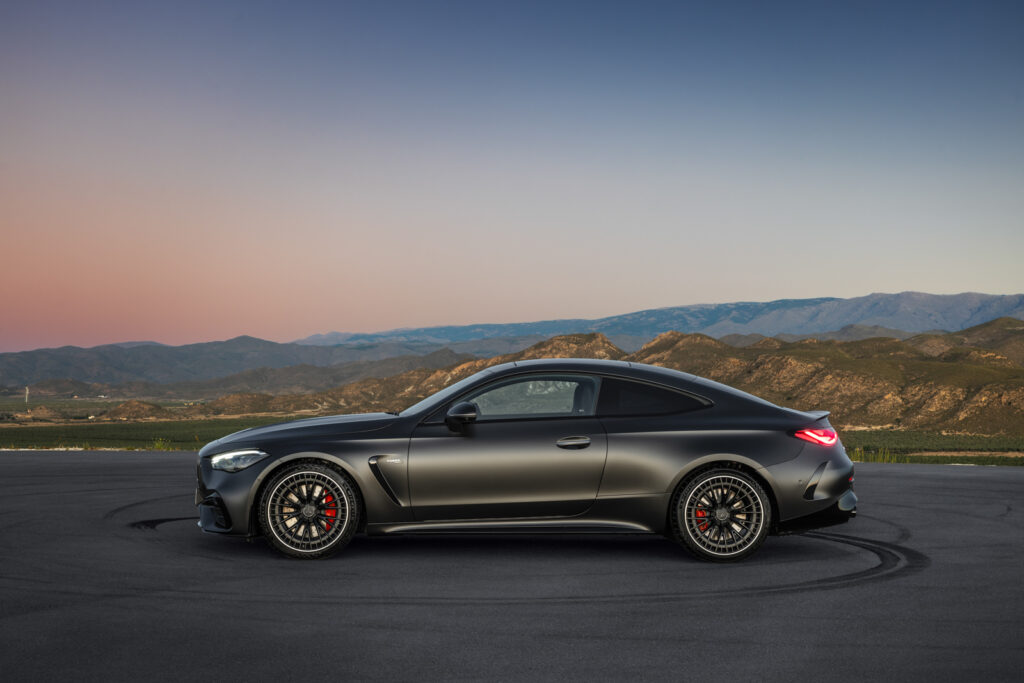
[[104, 575]]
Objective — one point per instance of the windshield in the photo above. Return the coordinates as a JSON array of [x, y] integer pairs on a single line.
[[445, 394]]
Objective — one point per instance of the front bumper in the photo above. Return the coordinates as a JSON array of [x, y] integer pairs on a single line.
[[213, 515], [223, 499]]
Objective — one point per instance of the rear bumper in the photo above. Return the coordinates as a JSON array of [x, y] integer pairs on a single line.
[[840, 512]]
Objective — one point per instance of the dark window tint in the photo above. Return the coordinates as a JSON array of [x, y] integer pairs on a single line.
[[621, 397]]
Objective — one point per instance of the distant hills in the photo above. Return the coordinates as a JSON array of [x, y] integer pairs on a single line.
[[906, 312], [250, 364], [291, 379], [971, 381], [150, 364]]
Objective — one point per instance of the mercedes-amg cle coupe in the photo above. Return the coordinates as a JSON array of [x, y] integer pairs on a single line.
[[540, 443]]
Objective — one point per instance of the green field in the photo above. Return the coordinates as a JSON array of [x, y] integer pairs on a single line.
[[906, 447], [187, 435], [74, 408], [903, 442], [960, 458]]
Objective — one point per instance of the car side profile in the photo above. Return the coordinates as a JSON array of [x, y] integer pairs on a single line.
[[562, 443]]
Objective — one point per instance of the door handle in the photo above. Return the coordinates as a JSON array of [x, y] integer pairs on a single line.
[[573, 442]]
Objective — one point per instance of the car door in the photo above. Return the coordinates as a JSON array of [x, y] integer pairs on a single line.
[[535, 450]]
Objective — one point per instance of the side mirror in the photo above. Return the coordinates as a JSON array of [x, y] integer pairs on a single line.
[[459, 415]]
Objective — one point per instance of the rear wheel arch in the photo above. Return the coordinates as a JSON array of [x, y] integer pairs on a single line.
[[750, 470], [768, 489], [690, 482]]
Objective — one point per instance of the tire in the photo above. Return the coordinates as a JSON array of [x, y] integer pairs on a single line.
[[309, 511], [721, 515]]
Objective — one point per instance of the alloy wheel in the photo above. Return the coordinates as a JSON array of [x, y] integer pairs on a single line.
[[723, 515], [307, 511]]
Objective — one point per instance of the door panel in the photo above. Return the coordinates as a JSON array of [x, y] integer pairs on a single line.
[[506, 469]]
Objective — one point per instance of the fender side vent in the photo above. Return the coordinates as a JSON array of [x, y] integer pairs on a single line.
[[379, 476]]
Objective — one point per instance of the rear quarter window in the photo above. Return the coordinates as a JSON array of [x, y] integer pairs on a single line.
[[624, 397]]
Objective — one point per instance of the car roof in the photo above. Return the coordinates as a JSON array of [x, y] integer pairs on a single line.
[[720, 394], [611, 367], [578, 363]]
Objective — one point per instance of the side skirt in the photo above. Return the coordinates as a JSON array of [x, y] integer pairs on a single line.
[[520, 526]]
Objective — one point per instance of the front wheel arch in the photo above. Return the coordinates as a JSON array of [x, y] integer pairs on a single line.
[[309, 509], [297, 459]]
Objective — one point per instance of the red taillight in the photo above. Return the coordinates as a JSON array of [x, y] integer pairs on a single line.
[[822, 437]]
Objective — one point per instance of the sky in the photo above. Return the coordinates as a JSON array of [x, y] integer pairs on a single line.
[[183, 172]]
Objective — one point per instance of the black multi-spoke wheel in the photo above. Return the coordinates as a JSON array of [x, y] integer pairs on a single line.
[[721, 515], [309, 510]]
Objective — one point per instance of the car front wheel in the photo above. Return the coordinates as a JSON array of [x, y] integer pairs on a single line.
[[309, 510], [721, 515]]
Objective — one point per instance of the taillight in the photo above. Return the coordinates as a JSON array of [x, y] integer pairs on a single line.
[[822, 437]]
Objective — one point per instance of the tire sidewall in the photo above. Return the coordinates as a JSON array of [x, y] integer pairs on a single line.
[[347, 489], [681, 532]]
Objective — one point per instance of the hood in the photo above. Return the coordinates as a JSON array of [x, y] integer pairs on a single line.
[[333, 426]]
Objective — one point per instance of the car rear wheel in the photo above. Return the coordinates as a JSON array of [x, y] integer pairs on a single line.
[[721, 515], [309, 510]]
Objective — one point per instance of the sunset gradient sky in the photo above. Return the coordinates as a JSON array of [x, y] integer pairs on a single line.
[[184, 172]]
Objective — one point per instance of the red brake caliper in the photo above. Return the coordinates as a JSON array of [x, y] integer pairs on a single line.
[[331, 511], [702, 513]]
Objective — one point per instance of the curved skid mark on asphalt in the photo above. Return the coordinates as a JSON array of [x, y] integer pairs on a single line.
[[154, 523], [904, 532], [147, 501], [894, 561], [54, 490]]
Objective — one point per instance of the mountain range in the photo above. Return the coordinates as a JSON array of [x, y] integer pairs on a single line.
[[291, 379], [971, 381], [909, 312], [967, 382], [213, 367]]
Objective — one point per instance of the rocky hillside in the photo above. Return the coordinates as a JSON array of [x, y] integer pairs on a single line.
[[1004, 336], [959, 382], [875, 383]]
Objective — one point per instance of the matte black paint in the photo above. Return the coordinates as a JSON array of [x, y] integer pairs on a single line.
[[415, 472]]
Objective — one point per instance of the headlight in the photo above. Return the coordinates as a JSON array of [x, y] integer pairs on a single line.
[[233, 461]]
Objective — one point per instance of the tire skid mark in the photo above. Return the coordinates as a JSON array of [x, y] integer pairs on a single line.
[[53, 490], [894, 561], [903, 533], [147, 501], [154, 523]]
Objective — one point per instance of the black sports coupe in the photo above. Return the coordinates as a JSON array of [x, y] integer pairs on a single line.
[[540, 443]]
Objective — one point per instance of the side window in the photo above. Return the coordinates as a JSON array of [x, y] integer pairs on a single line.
[[622, 397], [537, 396]]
